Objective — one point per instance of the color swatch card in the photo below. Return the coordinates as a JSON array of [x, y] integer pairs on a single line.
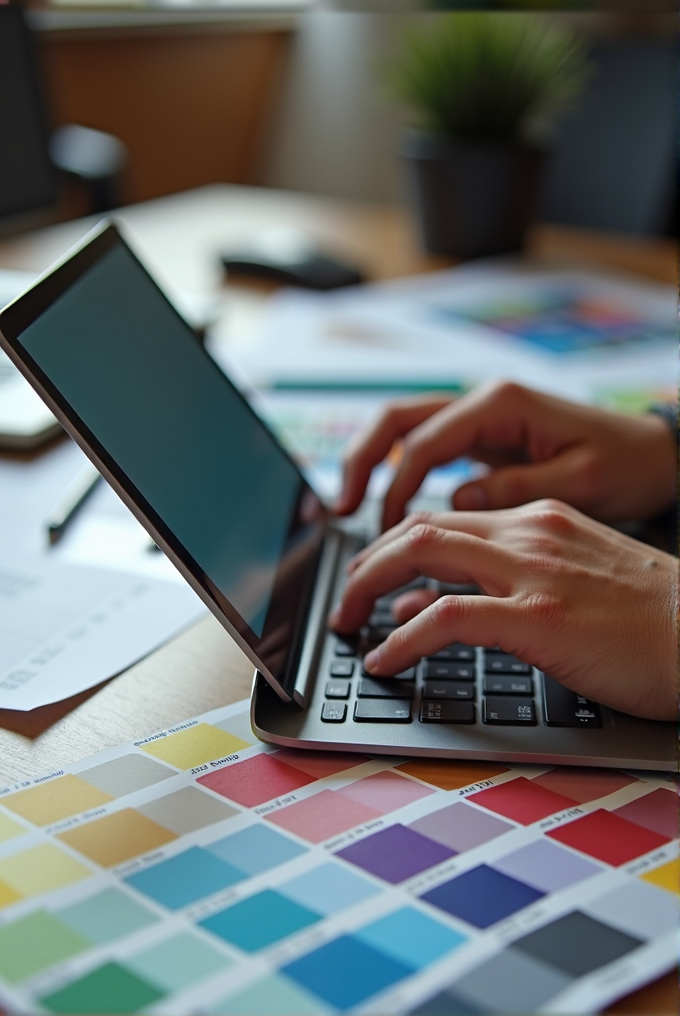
[[198, 871]]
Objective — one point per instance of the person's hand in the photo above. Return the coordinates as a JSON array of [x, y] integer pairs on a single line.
[[589, 606], [609, 465]]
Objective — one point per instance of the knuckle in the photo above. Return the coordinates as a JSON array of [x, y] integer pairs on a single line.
[[544, 610], [422, 535], [419, 518], [589, 475], [446, 611], [507, 391]]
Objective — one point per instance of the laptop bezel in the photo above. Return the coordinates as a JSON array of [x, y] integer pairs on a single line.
[[287, 605]]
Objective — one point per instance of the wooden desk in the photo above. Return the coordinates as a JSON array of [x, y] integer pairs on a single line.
[[179, 238]]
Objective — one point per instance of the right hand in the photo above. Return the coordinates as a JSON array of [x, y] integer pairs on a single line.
[[609, 465]]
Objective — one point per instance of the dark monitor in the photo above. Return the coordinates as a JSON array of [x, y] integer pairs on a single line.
[[28, 182]]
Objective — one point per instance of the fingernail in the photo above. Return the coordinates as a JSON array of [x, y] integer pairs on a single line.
[[334, 617], [471, 498], [372, 660]]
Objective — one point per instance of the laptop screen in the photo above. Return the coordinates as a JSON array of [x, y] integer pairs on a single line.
[[182, 436]]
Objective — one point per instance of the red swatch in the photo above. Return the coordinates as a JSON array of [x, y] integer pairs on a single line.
[[256, 780], [522, 800], [320, 763], [657, 811], [608, 837]]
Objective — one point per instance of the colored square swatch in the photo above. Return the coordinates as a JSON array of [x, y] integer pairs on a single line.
[[41, 869], [320, 764], [482, 896], [126, 774], [583, 785], [177, 962], [185, 878], [450, 774], [446, 1003], [460, 827], [256, 849], [576, 944], [666, 876], [187, 810], [657, 811], [410, 937], [108, 915], [639, 909], [346, 972], [116, 838], [270, 996], [328, 888], [324, 815], [195, 746], [260, 920], [238, 726], [511, 982], [395, 854], [256, 780], [546, 866], [608, 837], [385, 792], [109, 989], [34, 943], [57, 799], [9, 828], [7, 895], [522, 800]]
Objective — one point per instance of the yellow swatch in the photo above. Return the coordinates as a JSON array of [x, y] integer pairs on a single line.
[[666, 877], [9, 828], [7, 895], [50, 802], [195, 746], [41, 869], [116, 838]]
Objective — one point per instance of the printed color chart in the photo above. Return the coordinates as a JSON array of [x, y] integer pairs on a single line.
[[199, 871]]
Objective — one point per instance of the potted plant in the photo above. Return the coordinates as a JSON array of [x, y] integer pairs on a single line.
[[484, 90]]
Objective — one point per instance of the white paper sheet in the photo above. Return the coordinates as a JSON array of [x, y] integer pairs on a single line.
[[66, 628]]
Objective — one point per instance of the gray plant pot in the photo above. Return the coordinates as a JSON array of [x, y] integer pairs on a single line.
[[471, 198]]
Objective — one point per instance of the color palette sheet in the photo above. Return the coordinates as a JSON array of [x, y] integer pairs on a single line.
[[199, 871]]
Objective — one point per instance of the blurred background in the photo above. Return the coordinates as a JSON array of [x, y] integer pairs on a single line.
[[288, 95]]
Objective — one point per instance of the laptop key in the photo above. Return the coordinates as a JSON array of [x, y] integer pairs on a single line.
[[403, 675], [343, 648], [447, 671], [370, 687], [564, 708], [456, 651], [334, 712], [507, 684], [447, 712], [342, 668], [503, 663], [509, 710], [337, 689], [382, 711], [448, 690]]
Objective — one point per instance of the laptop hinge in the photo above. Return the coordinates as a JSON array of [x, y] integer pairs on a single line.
[[316, 626]]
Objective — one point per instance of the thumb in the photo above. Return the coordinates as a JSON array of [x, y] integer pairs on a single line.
[[511, 486]]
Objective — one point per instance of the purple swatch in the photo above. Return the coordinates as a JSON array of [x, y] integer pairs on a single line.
[[395, 854]]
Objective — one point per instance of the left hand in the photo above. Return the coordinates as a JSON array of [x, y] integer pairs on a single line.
[[589, 606]]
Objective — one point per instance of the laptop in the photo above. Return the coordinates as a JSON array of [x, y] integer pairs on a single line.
[[121, 370]]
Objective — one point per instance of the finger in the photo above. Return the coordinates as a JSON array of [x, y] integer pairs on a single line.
[[373, 447], [475, 620], [409, 604], [560, 477], [424, 550], [491, 415], [465, 522]]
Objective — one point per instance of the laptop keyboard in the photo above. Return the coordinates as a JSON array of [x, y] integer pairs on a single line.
[[460, 684]]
